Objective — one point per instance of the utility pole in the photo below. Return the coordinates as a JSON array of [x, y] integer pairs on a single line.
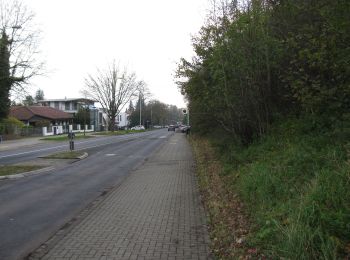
[[151, 116], [140, 106]]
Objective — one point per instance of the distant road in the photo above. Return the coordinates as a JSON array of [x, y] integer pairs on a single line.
[[34, 207]]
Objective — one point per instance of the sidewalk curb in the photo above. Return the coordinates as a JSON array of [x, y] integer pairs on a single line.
[[85, 154]]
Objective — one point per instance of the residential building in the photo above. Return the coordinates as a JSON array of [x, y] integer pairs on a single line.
[[122, 120], [72, 106], [68, 105], [33, 115]]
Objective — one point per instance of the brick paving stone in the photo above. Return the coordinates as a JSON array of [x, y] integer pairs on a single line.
[[155, 213]]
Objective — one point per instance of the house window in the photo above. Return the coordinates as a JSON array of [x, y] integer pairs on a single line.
[[67, 106], [57, 104], [75, 106]]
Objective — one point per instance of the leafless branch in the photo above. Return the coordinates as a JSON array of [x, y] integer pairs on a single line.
[[17, 22], [113, 88]]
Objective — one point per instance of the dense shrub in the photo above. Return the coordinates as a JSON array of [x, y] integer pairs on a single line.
[[266, 59], [10, 125]]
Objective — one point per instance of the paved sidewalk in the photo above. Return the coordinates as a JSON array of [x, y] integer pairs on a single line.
[[155, 213]]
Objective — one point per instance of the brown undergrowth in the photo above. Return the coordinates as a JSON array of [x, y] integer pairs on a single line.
[[228, 221]]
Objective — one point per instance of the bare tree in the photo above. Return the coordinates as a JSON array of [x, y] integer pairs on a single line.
[[18, 50], [113, 89]]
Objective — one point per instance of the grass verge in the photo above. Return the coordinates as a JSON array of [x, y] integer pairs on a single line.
[[293, 184], [15, 169], [65, 138], [119, 132], [64, 155]]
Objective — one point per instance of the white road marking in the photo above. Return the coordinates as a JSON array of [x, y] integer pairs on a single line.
[[77, 143], [39, 150], [110, 154]]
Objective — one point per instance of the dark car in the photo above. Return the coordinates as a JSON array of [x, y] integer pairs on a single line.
[[171, 128], [185, 129]]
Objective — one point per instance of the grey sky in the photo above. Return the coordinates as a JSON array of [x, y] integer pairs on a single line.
[[149, 37]]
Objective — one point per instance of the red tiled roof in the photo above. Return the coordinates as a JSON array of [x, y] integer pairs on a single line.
[[27, 112]]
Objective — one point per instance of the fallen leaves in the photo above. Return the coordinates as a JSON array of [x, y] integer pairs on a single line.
[[229, 224]]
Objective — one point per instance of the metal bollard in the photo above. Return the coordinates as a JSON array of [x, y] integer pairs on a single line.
[[71, 145], [71, 136]]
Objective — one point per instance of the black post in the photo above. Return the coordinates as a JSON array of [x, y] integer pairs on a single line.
[[71, 141]]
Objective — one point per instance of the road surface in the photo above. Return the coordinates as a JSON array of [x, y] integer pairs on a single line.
[[34, 207]]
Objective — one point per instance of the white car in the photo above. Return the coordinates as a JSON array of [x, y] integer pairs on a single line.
[[138, 127]]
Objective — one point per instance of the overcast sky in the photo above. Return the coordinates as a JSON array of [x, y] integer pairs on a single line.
[[149, 37]]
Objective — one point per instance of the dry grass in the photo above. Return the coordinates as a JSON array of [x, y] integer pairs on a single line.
[[228, 222]]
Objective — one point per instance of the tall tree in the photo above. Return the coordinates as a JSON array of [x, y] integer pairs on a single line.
[[113, 89], [18, 49], [5, 80], [28, 101], [39, 95]]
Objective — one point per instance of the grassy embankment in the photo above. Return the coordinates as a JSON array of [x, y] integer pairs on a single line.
[[286, 195]]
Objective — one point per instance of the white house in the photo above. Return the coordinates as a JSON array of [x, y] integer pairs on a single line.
[[122, 120]]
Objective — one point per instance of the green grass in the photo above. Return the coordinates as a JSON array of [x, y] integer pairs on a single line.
[[64, 155], [15, 169], [65, 137], [119, 132], [295, 182]]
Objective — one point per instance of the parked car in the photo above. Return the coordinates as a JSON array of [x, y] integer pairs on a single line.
[[138, 127], [184, 128], [171, 128]]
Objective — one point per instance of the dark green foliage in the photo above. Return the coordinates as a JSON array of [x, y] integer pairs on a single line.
[[10, 126], [29, 101], [266, 60], [39, 95], [315, 38], [5, 80], [83, 116]]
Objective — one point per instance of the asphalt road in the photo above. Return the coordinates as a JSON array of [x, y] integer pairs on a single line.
[[35, 207]]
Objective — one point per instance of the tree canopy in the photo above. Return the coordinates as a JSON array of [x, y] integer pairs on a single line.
[[264, 59]]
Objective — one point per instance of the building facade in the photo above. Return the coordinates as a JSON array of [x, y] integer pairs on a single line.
[[72, 106]]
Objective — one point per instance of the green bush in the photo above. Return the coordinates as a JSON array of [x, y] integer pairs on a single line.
[[10, 125], [295, 182]]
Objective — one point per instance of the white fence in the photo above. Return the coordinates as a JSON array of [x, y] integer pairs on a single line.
[[58, 130]]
